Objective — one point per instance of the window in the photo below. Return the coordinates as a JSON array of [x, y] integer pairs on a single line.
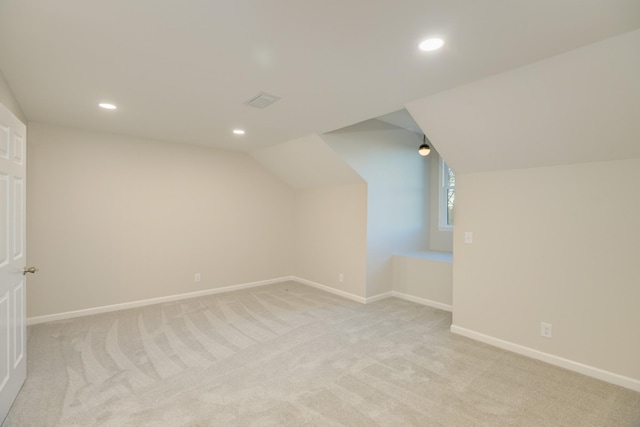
[[447, 195]]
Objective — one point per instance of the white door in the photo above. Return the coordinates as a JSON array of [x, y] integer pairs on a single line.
[[13, 360]]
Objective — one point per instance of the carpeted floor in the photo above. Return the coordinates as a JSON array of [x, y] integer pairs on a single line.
[[291, 355]]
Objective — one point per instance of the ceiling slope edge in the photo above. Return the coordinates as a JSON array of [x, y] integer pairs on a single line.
[[306, 162], [578, 107]]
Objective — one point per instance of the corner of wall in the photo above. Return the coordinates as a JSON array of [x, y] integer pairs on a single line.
[[9, 100]]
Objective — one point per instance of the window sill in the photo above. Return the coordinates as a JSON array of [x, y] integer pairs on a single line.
[[430, 255]]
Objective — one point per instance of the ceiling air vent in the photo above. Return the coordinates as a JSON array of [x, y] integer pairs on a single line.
[[262, 100]]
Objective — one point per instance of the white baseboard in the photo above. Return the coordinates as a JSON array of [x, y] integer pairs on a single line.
[[600, 374], [590, 371], [151, 301], [369, 300], [141, 303], [331, 290], [378, 297], [423, 301]]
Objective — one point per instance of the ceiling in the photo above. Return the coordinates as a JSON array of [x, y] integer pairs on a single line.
[[578, 107], [401, 119], [182, 71]]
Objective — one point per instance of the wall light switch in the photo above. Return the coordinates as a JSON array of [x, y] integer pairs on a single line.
[[468, 237]]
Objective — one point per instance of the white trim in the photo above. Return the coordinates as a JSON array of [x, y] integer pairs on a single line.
[[369, 300], [423, 301], [443, 206], [141, 303], [436, 256], [331, 290], [379, 297], [590, 371], [151, 301]]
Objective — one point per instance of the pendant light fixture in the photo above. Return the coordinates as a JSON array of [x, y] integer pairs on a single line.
[[424, 149]]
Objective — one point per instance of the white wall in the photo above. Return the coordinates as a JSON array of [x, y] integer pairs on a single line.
[[552, 242], [8, 100], [330, 212], [306, 162], [331, 236], [558, 245], [428, 277], [397, 220], [581, 106], [115, 219]]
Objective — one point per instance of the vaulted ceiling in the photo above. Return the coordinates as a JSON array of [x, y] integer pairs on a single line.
[[577, 107], [183, 70]]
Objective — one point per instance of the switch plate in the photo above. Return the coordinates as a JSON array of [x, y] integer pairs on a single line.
[[468, 237], [546, 330], [341, 277], [197, 277]]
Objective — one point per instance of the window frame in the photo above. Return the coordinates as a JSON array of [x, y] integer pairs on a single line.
[[443, 205]]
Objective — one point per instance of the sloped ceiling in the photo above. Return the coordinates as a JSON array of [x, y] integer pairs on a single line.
[[581, 106], [307, 162], [182, 70], [401, 119]]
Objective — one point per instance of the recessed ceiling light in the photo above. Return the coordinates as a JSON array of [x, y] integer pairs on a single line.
[[107, 106], [431, 44], [238, 131]]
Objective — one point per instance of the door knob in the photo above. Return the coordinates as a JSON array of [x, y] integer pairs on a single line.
[[26, 270]]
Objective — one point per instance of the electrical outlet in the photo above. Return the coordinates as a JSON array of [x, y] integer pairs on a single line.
[[197, 278], [341, 277], [546, 330]]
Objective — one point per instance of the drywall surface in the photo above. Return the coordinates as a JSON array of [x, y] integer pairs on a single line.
[[306, 162], [114, 219], [580, 106], [386, 157], [557, 245], [8, 100], [331, 236], [424, 277]]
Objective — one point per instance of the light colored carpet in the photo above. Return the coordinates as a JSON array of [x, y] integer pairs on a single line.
[[291, 355]]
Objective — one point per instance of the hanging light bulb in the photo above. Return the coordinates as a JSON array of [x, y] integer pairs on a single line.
[[424, 149]]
